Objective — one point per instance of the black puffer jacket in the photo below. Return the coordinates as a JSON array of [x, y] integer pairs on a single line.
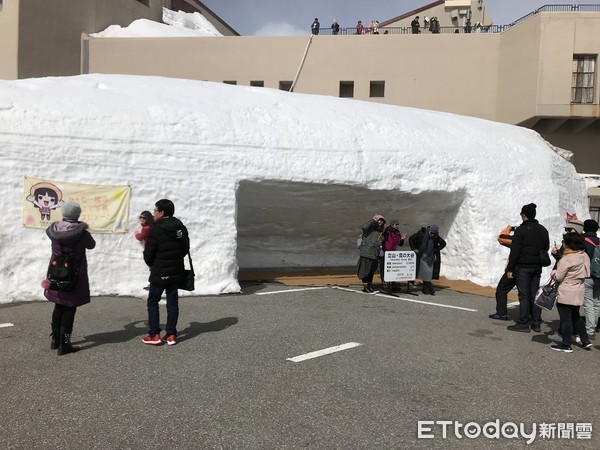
[[165, 250], [529, 240]]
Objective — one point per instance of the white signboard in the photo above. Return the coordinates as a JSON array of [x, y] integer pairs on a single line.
[[400, 266]]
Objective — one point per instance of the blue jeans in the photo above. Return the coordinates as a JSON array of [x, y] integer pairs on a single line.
[[528, 282], [154, 294]]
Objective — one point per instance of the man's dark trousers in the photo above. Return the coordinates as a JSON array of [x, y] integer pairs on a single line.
[[154, 294], [528, 282], [505, 285]]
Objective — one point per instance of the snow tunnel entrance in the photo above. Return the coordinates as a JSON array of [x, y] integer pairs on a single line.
[[291, 226]]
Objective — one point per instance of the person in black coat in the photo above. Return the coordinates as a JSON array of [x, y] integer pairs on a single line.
[[529, 242], [315, 27], [415, 26], [427, 244], [164, 253]]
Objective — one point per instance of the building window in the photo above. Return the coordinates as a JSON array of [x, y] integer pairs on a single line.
[[144, 2], [347, 89], [285, 85], [257, 83], [377, 89], [595, 213], [230, 82], [584, 74]]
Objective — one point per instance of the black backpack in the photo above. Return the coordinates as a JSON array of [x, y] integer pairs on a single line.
[[62, 273]]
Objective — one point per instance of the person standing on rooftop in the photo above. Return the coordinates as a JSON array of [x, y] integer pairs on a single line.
[[315, 26]]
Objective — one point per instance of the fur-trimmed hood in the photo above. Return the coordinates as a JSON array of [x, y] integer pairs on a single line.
[[66, 231]]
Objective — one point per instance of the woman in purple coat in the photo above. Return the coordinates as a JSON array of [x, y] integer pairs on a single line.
[[69, 236]]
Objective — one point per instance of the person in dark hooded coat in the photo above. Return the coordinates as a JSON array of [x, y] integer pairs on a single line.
[[427, 244], [69, 236]]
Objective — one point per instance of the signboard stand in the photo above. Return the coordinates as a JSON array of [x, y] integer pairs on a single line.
[[400, 266]]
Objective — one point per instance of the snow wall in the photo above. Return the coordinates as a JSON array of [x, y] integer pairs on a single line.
[[264, 178]]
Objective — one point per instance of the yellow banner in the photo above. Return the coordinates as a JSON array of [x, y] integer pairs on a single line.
[[104, 208]]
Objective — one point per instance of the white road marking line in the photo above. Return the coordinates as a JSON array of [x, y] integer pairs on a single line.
[[429, 303], [325, 351], [291, 290], [407, 299], [4, 325], [347, 289], [512, 305]]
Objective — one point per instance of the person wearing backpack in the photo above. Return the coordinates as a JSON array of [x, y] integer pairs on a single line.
[[591, 302], [69, 237], [370, 244]]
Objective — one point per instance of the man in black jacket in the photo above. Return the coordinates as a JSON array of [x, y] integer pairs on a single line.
[[164, 253], [525, 265]]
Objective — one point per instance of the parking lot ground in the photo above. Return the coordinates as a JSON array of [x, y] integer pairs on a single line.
[[233, 380]]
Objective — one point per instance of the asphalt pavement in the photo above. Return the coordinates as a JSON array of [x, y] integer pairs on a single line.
[[417, 370]]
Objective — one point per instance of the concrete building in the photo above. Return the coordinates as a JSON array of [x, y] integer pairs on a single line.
[[43, 38]]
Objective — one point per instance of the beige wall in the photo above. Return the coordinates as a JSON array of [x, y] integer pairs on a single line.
[[519, 68], [49, 34], [9, 39], [442, 72]]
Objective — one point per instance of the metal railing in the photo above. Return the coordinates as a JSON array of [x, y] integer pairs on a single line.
[[348, 31], [461, 29]]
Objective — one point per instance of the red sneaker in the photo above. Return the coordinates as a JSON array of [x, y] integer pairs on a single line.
[[152, 340], [170, 339]]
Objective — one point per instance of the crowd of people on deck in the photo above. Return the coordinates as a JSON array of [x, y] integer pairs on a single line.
[[432, 25]]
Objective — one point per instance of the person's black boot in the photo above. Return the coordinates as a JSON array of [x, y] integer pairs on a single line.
[[424, 289], [55, 342], [430, 288], [65, 346]]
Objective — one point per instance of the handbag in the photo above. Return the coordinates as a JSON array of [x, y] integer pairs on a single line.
[[188, 282], [545, 258], [546, 295]]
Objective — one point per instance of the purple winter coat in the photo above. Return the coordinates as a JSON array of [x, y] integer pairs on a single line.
[[75, 239]]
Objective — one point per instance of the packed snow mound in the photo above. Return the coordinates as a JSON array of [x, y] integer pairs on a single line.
[[177, 24], [266, 178]]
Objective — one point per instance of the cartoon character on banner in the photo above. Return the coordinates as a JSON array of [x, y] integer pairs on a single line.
[[46, 197]]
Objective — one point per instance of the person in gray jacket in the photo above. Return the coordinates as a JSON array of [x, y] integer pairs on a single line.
[[370, 243]]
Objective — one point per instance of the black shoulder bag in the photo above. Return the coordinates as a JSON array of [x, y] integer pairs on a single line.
[[188, 282]]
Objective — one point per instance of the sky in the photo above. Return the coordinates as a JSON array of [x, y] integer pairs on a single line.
[[293, 17], [264, 178]]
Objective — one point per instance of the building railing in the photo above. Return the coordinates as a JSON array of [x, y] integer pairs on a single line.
[[408, 30], [462, 29]]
